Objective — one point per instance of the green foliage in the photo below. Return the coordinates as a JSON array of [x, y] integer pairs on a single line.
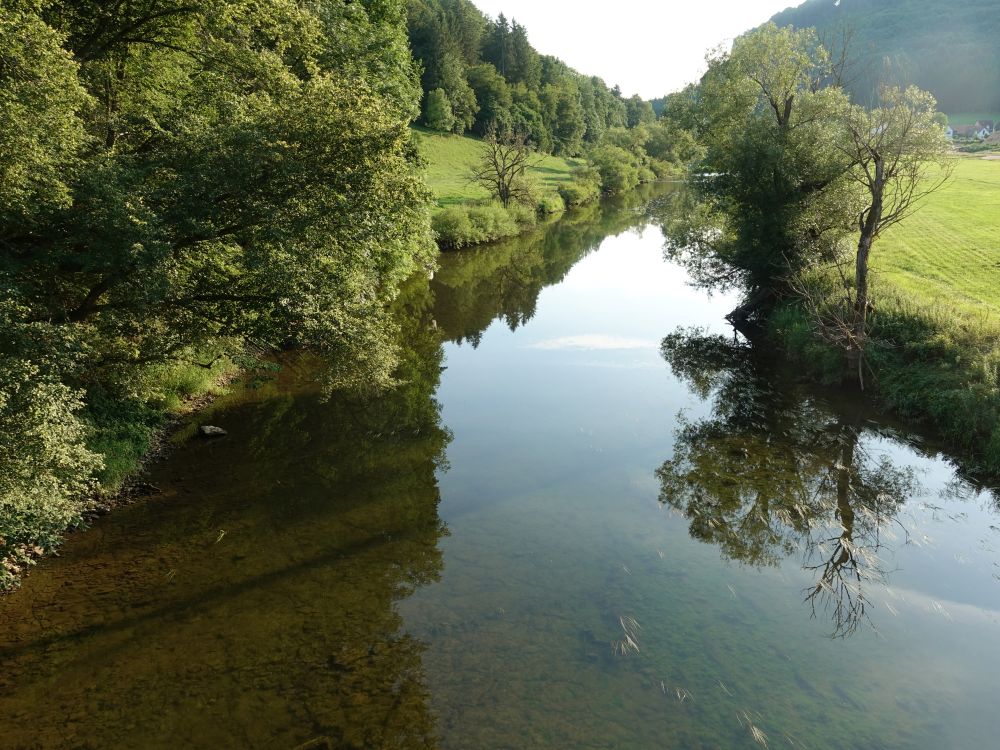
[[619, 169], [41, 132], [463, 226], [580, 191], [492, 76], [770, 132], [437, 111], [46, 470], [186, 177], [549, 204]]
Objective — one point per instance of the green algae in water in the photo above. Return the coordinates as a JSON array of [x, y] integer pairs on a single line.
[[449, 565]]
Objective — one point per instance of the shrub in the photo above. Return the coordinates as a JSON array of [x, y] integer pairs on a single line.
[[524, 216], [585, 187], [492, 222], [453, 228], [46, 470], [618, 168], [551, 204], [462, 226]]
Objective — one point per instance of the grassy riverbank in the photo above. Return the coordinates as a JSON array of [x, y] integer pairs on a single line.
[[935, 355], [450, 159], [463, 212]]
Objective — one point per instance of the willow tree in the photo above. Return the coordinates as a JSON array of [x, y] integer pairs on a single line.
[[897, 153], [768, 124]]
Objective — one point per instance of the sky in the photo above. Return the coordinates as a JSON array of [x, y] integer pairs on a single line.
[[648, 47]]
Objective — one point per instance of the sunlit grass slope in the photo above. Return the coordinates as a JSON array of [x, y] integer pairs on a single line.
[[948, 252], [451, 157]]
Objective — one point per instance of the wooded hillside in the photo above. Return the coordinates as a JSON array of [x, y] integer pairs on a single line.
[[949, 49]]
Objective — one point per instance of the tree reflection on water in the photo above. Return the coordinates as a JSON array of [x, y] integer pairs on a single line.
[[772, 472]]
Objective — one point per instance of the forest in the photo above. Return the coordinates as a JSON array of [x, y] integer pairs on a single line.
[[949, 49], [478, 72]]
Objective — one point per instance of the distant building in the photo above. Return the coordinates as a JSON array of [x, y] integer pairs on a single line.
[[980, 131]]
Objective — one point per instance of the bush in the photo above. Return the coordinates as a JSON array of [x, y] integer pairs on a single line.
[[551, 204], [585, 187], [453, 227], [46, 470], [618, 168], [462, 226], [524, 216]]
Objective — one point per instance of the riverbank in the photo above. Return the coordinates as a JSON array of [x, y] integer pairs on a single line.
[[465, 215], [123, 436], [935, 330]]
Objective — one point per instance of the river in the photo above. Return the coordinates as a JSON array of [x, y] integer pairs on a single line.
[[590, 517]]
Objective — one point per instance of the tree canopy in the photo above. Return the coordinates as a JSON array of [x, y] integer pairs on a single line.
[[493, 77], [179, 176]]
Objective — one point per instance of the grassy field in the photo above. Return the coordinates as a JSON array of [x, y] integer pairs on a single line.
[[948, 252], [451, 157], [935, 356]]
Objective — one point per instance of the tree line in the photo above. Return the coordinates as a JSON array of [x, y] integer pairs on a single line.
[[478, 72]]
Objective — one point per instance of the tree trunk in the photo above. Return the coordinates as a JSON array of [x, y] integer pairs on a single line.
[[869, 229], [856, 352]]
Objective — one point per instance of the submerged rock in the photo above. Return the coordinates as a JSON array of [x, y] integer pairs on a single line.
[[211, 431]]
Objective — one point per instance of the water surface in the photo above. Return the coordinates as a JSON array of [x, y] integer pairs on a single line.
[[562, 531]]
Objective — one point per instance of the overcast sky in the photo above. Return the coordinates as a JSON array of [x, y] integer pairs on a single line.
[[649, 47]]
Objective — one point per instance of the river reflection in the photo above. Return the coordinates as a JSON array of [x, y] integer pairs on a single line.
[[774, 472], [252, 604], [451, 564]]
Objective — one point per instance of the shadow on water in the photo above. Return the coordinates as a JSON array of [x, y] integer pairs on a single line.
[[253, 603]]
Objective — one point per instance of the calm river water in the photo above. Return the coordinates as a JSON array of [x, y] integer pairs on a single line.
[[572, 527]]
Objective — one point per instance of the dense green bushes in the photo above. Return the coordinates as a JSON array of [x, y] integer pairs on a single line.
[[182, 177], [462, 226]]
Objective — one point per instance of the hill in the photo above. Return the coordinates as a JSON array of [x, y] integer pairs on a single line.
[[950, 50]]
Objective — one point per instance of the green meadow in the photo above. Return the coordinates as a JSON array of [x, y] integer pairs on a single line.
[[970, 118], [450, 159], [948, 253]]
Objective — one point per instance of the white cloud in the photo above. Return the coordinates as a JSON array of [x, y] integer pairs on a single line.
[[594, 342]]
